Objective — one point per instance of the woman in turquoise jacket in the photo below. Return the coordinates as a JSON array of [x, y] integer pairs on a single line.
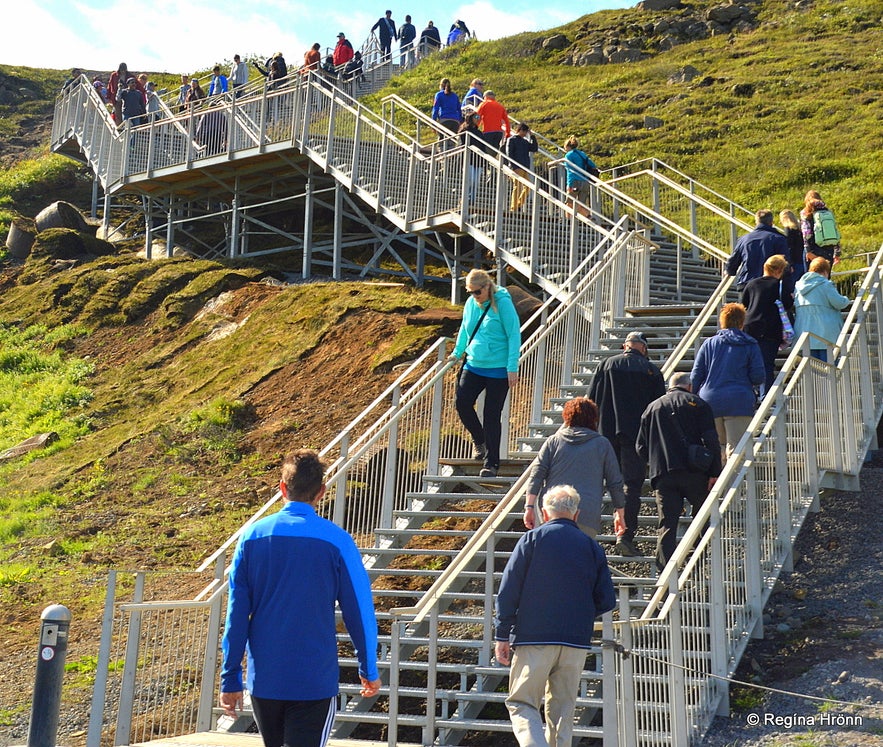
[[490, 338], [818, 307]]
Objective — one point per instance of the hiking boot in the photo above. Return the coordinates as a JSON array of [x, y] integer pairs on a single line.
[[488, 472], [479, 452], [626, 548]]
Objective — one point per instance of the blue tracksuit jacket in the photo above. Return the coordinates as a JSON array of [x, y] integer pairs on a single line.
[[288, 571]]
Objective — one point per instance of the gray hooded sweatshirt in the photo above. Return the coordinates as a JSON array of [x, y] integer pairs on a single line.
[[582, 458]]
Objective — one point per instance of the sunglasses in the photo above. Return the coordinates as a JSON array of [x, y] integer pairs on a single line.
[[477, 291]]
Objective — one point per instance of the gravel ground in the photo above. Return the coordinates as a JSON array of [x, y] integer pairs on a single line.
[[823, 636]]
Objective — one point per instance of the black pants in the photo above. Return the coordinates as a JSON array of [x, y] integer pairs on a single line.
[[671, 491], [489, 429], [293, 723], [633, 473], [494, 138], [769, 349]]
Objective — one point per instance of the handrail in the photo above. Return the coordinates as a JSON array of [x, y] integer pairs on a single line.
[[692, 335], [623, 171]]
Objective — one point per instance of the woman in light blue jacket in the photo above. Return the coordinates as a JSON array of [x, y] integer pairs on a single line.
[[490, 338], [818, 307]]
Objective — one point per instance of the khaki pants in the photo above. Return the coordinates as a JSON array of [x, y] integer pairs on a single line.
[[730, 429], [544, 674], [519, 191]]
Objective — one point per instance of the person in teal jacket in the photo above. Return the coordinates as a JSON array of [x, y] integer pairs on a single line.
[[818, 307], [490, 338]]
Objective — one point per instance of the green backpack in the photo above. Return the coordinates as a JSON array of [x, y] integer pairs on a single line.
[[824, 228]]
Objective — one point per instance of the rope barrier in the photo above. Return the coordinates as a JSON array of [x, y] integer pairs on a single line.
[[625, 653]]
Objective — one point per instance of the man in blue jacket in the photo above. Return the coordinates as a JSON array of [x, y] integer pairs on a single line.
[[755, 248], [288, 572], [554, 586]]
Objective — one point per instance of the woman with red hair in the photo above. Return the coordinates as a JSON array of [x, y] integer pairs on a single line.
[[578, 455]]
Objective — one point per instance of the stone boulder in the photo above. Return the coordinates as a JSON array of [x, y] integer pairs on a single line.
[[728, 14], [623, 54], [684, 75], [66, 243], [20, 239], [61, 215], [659, 5], [557, 42], [653, 123]]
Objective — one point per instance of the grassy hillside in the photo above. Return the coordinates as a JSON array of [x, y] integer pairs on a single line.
[[805, 113]]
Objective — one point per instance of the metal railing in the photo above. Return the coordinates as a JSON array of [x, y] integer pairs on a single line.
[[818, 418]]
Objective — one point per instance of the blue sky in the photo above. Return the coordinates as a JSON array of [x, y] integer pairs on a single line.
[[188, 35]]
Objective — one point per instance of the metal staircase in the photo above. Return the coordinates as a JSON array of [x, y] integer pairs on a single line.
[[433, 534]]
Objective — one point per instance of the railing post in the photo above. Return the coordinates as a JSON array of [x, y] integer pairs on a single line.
[[339, 511], [539, 379], [626, 680], [534, 207], [382, 170], [99, 688], [210, 658], [130, 667], [676, 680], [390, 483], [393, 700], [337, 259], [309, 207], [753, 570], [438, 408], [784, 522], [608, 683], [357, 147], [717, 619], [431, 678], [484, 655]]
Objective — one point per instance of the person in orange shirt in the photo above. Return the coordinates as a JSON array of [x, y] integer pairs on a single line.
[[494, 120], [312, 59]]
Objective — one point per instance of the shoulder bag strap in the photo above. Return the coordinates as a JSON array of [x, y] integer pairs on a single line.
[[480, 320]]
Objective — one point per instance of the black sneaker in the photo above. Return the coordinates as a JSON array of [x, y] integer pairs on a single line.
[[626, 548], [488, 472], [479, 452]]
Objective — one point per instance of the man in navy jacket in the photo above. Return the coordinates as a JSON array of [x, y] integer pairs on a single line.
[[288, 572], [755, 248], [554, 586]]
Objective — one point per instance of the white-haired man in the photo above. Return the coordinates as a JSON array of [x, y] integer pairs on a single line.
[[554, 586]]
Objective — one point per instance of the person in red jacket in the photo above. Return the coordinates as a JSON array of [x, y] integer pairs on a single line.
[[343, 51], [494, 120]]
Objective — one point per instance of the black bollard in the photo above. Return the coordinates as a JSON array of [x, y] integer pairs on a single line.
[[51, 653]]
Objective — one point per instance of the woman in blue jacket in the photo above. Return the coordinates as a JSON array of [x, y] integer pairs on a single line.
[[818, 307], [490, 338], [727, 369], [446, 106]]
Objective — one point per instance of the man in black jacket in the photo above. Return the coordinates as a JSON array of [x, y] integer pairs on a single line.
[[622, 388], [668, 426]]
